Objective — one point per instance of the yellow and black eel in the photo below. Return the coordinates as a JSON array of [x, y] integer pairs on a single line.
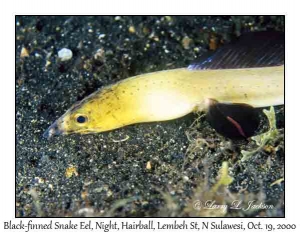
[[245, 74]]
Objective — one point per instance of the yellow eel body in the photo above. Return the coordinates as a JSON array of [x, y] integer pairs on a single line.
[[170, 94]]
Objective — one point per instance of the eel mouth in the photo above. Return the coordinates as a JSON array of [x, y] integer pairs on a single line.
[[53, 130]]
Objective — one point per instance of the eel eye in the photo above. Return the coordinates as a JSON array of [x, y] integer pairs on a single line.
[[81, 119]]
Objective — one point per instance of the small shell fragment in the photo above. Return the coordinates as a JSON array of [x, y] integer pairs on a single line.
[[70, 171], [24, 52], [65, 54], [148, 166], [131, 29]]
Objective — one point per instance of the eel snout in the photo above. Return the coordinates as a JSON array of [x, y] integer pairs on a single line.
[[53, 130]]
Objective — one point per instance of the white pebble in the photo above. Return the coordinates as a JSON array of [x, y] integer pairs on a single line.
[[101, 36], [185, 178], [65, 54]]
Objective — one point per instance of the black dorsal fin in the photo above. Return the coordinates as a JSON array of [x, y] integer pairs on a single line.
[[234, 121], [254, 49]]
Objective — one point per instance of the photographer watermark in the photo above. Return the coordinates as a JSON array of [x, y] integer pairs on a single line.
[[235, 205]]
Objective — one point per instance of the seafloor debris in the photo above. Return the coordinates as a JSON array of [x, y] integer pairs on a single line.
[[148, 166], [186, 42], [24, 52], [70, 171], [204, 196], [262, 139], [65, 54], [279, 181]]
